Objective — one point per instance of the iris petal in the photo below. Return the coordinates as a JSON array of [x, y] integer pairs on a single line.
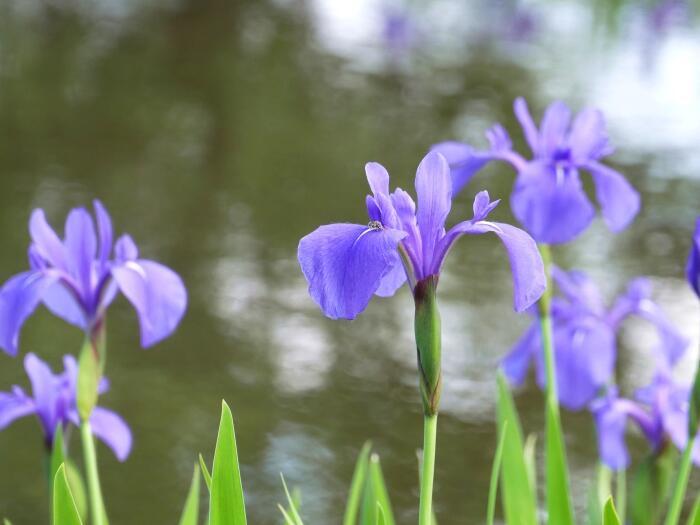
[[516, 364], [618, 200], [44, 391], [46, 242], [464, 162], [589, 137], [692, 268], [344, 265], [112, 430], [81, 247], [14, 405], [554, 128], [158, 295]]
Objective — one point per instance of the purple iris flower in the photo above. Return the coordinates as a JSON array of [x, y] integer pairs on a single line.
[[660, 411], [584, 332], [692, 269], [78, 277], [53, 402], [548, 197], [346, 264]]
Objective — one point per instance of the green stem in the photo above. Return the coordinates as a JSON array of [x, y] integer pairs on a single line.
[[674, 511], [90, 457], [545, 315], [621, 494], [425, 514]]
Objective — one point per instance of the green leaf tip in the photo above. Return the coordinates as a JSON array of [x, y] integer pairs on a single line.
[[64, 509], [191, 509], [610, 516]]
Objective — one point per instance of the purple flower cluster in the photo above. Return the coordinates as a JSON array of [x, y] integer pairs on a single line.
[[346, 264], [53, 402], [548, 197]]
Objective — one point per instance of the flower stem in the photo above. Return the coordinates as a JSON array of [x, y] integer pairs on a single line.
[[425, 514], [621, 494], [674, 510], [545, 314], [97, 508]]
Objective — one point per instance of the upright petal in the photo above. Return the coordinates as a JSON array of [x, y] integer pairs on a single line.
[[434, 190], [516, 364], [104, 228], [19, 297], [113, 430], [554, 128], [553, 207], [692, 268], [619, 201], [344, 265], [44, 391], [46, 242], [81, 247], [464, 162], [14, 405], [158, 295], [378, 178], [589, 137], [125, 249], [522, 113], [525, 261]]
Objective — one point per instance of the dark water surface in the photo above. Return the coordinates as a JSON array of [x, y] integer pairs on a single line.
[[219, 132]]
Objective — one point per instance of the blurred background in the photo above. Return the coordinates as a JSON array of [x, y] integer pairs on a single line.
[[219, 132]]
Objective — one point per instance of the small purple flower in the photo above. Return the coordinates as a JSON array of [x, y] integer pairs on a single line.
[[53, 402], [346, 264], [548, 197], [692, 269], [78, 277], [585, 337]]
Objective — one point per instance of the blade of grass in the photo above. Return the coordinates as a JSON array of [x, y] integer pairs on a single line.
[[191, 510], [381, 493], [357, 485], [495, 470], [205, 472], [226, 505], [610, 516], [292, 507]]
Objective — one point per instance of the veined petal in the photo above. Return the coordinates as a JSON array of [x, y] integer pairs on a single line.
[[516, 364], [46, 242], [619, 201], [589, 137], [692, 268], [392, 281], [158, 295], [104, 228], [434, 191], [44, 391], [553, 207], [14, 405], [344, 265], [19, 297], [525, 261], [522, 113], [112, 430], [554, 128], [464, 162], [81, 248], [378, 178]]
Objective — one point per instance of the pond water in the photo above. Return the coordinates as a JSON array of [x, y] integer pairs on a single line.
[[220, 132]]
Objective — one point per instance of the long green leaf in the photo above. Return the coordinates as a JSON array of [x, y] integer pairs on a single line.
[[380, 491], [381, 519], [357, 484], [226, 504], [518, 497], [191, 510], [694, 518], [558, 500], [293, 512], [205, 472], [651, 487], [610, 516], [597, 495], [64, 510], [495, 470]]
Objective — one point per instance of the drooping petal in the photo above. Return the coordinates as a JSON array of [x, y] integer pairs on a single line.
[[46, 242], [112, 430], [589, 137], [19, 297], [516, 364], [522, 113], [553, 207], [44, 391], [554, 128], [158, 295], [619, 201], [81, 248], [14, 405], [434, 191], [464, 162], [104, 228], [344, 265], [585, 361], [580, 290], [692, 268], [392, 281], [62, 303], [611, 421], [526, 265]]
